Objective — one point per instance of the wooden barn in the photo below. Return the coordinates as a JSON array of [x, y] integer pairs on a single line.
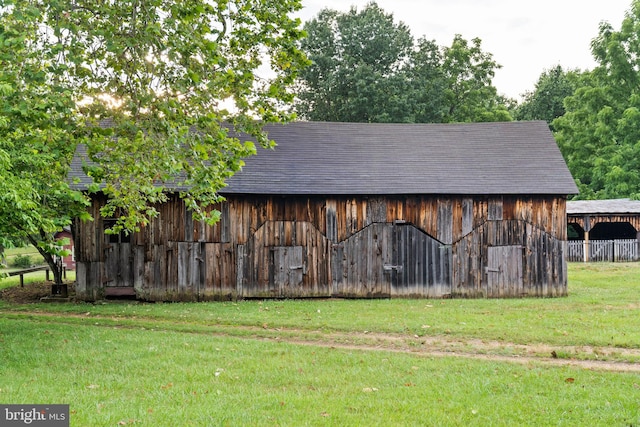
[[358, 211]]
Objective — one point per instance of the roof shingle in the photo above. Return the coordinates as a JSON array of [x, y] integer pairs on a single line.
[[371, 158]]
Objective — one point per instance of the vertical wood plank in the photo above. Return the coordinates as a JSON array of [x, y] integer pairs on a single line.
[[240, 258], [138, 267], [467, 215], [183, 267], [445, 226], [494, 209]]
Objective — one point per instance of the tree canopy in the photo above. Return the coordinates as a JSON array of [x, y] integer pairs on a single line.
[[166, 77], [36, 138], [599, 134], [356, 62], [368, 68], [469, 93], [546, 101]]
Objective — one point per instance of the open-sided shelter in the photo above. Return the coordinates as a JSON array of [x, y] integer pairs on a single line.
[[604, 219], [355, 210], [603, 230]]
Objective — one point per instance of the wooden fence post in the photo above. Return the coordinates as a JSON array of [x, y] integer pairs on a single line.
[[586, 246]]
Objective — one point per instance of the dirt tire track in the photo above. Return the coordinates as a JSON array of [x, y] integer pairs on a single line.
[[601, 365], [424, 346]]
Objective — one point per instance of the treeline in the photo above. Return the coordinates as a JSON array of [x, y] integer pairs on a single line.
[[366, 67]]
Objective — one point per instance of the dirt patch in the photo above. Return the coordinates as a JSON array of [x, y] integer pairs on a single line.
[[524, 360], [31, 293], [574, 356], [586, 357]]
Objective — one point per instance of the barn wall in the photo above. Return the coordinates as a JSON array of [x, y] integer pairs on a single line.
[[276, 246], [532, 262]]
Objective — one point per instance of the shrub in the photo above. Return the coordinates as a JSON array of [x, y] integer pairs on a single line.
[[21, 261]]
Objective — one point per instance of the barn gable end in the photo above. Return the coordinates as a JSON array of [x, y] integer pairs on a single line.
[[357, 210]]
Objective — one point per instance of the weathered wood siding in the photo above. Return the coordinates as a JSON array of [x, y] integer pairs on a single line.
[[308, 246], [541, 261], [286, 259], [588, 221], [386, 260]]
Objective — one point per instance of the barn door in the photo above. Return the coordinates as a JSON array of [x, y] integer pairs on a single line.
[[287, 270], [386, 259], [362, 266], [118, 265], [504, 271], [421, 265], [395, 267]]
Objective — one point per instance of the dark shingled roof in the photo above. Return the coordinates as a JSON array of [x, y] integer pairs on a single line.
[[77, 178], [370, 158]]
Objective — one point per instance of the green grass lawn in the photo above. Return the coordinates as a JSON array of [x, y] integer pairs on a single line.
[[36, 259], [34, 277], [272, 362], [28, 250]]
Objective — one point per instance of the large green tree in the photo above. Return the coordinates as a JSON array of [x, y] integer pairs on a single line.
[[469, 93], [150, 86], [368, 68], [546, 101], [36, 138], [600, 132], [356, 60]]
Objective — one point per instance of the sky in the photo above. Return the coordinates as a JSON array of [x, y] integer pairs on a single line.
[[525, 37]]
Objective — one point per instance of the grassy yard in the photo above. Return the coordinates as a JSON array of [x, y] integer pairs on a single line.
[[28, 250], [336, 362], [36, 259], [35, 277]]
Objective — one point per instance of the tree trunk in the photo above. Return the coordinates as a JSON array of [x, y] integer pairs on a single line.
[[54, 265], [58, 289]]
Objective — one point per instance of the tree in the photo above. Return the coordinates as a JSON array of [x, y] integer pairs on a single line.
[[367, 68], [469, 94], [427, 83], [356, 58], [36, 128], [546, 101], [599, 133], [168, 78]]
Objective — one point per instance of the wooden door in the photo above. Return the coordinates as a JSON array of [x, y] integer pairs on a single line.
[[118, 269], [421, 265], [362, 266], [287, 270], [504, 271], [386, 259], [190, 270]]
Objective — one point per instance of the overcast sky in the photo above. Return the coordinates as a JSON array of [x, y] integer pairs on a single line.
[[525, 37]]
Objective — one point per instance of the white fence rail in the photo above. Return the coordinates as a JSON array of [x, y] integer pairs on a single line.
[[604, 250]]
